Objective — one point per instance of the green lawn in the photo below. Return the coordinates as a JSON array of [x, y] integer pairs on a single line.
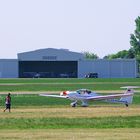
[[65, 84], [59, 115], [36, 100], [68, 123], [46, 85], [67, 80]]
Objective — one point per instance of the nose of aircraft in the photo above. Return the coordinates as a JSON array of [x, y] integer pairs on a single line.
[[63, 93]]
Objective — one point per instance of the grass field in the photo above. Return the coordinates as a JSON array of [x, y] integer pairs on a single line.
[[64, 84], [71, 134], [37, 118]]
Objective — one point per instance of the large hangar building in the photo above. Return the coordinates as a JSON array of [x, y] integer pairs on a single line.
[[58, 63]]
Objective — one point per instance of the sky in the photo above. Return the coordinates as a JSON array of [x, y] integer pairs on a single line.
[[101, 27]]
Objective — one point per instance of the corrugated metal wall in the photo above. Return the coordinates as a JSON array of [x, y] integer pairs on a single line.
[[118, 68], [8, 68]]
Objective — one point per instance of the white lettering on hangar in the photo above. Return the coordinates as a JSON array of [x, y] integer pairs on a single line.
[[49, 57]]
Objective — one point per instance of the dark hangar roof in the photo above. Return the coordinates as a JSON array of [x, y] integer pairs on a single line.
[[50, 54]]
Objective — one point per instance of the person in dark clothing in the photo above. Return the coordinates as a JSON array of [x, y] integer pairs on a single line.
[[8, 103]]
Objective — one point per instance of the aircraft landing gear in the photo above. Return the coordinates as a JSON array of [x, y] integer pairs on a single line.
[[126, 105], [74, 104]]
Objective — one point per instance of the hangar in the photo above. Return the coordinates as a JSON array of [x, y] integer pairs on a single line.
[[51, 63], [62, 63]]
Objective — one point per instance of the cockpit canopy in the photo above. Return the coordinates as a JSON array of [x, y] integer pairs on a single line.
[[83, 91]]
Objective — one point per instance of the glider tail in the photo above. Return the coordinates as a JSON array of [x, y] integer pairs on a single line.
[[128, 99]]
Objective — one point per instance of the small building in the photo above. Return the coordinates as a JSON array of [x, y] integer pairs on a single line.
[[8, 68], [62, 63]]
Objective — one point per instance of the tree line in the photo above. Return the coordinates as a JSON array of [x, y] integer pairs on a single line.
[[133, 52]]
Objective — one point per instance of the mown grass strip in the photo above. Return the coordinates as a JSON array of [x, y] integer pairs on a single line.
[[66, 123], [58, 84], [63, 87], [36, 100], [67, 80], [71, 134]]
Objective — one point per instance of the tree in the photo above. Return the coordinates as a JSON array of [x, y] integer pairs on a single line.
[[131, 53], [135, 40], [134, 51], [121, 54], [89, 55]]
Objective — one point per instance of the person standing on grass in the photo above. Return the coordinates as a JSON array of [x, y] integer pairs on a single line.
[[8, 103]]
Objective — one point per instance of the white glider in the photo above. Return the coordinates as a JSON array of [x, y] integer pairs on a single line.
[[84, 96]]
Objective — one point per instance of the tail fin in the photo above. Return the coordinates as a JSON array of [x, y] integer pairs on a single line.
[[128, 99], [130, 89]]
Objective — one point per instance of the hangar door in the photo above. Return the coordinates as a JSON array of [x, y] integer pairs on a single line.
[[48, 69]]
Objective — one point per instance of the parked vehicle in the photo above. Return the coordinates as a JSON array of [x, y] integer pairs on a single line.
[[91, 75]]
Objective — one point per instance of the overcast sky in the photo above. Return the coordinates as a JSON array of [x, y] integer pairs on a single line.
[[98, 26]]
